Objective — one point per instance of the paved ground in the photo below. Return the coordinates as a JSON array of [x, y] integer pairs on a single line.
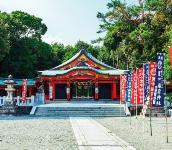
[[91, 135]]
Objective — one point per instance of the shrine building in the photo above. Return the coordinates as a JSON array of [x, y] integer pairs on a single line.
[[81, 77]]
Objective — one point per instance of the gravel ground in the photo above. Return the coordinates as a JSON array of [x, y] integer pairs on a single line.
[[24, 133], [27, 133], [138, 133]]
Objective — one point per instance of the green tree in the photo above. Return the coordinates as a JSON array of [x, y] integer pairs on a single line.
[[4, 38], [23, 25], [135, 33], [72, 50], [58, 53], [27, 52]]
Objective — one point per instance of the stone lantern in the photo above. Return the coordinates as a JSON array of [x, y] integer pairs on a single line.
[[10, 90]]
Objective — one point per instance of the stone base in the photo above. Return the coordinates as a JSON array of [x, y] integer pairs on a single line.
[[8, 108]]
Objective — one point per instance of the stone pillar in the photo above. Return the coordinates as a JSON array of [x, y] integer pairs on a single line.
[[68, 91], [96, 91]]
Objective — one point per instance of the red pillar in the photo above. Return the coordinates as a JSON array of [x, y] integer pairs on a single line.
[[68, 91], [96, 91], [114, 96]]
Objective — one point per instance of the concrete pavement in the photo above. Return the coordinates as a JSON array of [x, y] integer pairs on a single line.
[[91, 135]]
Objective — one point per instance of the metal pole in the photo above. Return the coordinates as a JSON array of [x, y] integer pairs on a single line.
[[120, 108], [150, 114], [76, 91], [130, 116], [120, 96], [143, 85], [166, 122]]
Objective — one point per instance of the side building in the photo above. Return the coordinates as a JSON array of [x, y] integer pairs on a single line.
[[31, 87]]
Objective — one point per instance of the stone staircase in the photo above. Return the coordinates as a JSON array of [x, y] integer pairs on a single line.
[[80, 110]]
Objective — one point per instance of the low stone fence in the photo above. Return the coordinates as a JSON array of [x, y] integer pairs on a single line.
[[2, 100], [38, 99], [30, 101]]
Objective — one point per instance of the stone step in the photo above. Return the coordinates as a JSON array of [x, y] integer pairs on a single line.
[[79, 112], [84, 109], [83, 112], [81, 109], [81, 115]]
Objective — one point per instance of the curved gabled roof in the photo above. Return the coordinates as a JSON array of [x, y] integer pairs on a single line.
[[61, 72], [86, 53]]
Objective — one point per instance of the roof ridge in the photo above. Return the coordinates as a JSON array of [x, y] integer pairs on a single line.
[[88, 54]]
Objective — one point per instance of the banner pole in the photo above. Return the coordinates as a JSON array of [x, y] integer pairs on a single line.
[[143, 85], [136, 91], [166, 121], [150, 114], [120, 96], [150, 111]]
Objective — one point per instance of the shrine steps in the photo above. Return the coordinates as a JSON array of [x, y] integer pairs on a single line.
[[80, 110]]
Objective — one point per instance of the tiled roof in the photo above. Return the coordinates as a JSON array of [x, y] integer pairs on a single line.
[[61, 72], [30, 82], [89, 55]]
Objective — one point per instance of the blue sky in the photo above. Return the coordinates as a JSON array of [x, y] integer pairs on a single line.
[[67, 20]]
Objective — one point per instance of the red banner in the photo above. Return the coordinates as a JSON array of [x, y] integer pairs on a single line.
[[152, 74], [140, 86], [123, 83], [170, 52], [134, 88], [24, 90]]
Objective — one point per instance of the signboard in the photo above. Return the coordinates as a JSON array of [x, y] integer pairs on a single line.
[[123, 88], [50, 92], [97, 90], [134, 88], [24, 90], [146, 81], [68, 90], [159, 87], [128, 87], [152, 74], [140, 86]]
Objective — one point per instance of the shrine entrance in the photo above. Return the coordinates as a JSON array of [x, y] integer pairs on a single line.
[[82, 90]]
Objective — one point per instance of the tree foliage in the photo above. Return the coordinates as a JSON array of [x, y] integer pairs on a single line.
[[22, 51], [4, 38], [62, 53], [25, 52], [135, 34]]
